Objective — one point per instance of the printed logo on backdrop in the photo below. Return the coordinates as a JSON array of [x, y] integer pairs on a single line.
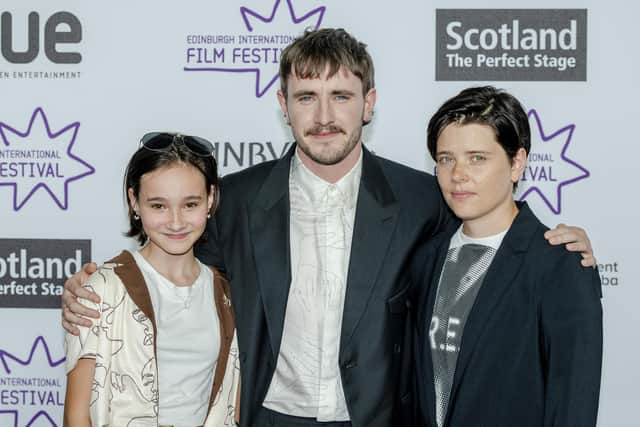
[[40, 158], [549, 168], [610, 273], [33, 271], [255, 48], [511, 44], [31, 386], [232, 156], [37, 46]]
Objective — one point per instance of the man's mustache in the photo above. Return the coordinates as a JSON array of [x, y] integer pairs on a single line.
[[324, 129]]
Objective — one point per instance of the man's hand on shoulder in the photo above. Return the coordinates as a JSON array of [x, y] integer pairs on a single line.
[[575, 239], [73, 312]]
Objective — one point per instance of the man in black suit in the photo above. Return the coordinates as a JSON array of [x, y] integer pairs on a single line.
[[317, 246], [508, 328]]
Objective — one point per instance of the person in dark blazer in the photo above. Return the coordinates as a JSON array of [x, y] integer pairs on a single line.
[[508, 328], [252, 225], [262, 229], [317, 248]]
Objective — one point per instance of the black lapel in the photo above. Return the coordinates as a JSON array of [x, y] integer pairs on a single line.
[[497, 281], [375, 221], [269, 233]]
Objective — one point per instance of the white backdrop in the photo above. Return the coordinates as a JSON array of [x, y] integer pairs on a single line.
[[67, 130]]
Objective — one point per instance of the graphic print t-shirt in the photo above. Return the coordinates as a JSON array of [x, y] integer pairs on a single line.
[[467, 262]]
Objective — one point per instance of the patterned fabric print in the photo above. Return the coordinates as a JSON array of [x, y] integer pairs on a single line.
[[125, 390], [461, 279]]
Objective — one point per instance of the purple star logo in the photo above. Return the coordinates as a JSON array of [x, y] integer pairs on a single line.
[[256, 53], [549, 169], [41, 396], [40, 158]]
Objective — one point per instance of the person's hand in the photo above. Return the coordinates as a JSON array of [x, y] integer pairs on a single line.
[[575, 239], [73, 312]]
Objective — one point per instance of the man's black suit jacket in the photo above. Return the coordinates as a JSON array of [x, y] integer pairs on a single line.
[[531, 349], [397, 208]]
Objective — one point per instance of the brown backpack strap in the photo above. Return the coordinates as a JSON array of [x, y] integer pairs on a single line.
[[224, 309]]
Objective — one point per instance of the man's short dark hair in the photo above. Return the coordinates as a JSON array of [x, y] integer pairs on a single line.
[[308, 57], [488, 106]]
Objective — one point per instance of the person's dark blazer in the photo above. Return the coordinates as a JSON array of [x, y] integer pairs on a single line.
[[531, 349], [397, 207]]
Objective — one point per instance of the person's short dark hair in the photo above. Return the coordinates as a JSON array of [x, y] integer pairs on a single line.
[[309, 55], [145, 160], [488, 106]]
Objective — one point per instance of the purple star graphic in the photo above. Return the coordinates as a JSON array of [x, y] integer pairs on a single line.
[[36, 417], [245, 11], [247, 16], [545, 138], [4, 355], [62, 202]]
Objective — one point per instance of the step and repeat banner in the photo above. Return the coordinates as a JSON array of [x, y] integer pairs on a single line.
[[80, 82]]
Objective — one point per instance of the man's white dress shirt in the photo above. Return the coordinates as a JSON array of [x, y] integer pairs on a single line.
[[306, 382]]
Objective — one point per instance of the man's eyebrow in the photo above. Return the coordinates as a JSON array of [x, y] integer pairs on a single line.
[[304, 92], [342, 92]]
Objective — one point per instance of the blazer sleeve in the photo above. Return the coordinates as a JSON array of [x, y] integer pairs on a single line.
[[571, 317]]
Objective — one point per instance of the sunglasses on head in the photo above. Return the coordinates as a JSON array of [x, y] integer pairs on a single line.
[[161, 141]]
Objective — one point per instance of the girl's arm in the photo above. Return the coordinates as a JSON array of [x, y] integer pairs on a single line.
[[78, 397]]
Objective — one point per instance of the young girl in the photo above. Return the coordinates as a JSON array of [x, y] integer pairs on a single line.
[[164, 349]]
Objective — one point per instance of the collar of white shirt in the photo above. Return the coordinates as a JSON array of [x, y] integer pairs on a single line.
[[319, 191]]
